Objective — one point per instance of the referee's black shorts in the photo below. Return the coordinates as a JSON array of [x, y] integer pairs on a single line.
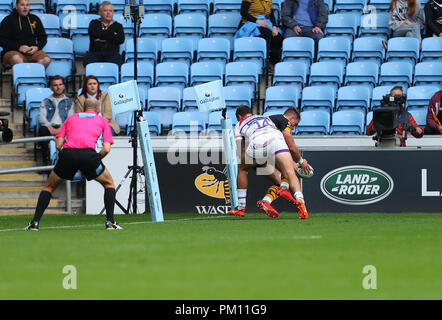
[[88, 161]]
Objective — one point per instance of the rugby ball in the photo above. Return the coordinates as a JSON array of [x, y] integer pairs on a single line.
[[305, 175]]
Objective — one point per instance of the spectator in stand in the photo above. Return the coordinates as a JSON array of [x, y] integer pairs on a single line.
[[258, 20], [434, 114], [106, 35], [433, 17], [406, 18], [304, 18], [53, 112], [411, 123], [91, 89], [23, 37]]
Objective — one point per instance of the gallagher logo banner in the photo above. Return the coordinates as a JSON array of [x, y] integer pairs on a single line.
[[357, 185]]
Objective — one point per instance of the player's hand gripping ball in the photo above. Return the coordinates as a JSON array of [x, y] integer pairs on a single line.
[[303, 174]]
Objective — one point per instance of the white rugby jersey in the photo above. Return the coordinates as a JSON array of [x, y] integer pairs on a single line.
[[253, 127]]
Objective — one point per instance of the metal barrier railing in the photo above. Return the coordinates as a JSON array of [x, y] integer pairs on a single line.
[[40, 168]]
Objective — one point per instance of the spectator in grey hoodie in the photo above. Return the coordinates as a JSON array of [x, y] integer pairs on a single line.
[[406, 18]]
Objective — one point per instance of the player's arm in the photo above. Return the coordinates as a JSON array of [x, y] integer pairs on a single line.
[[59, 142], [105, 149], [294, 151]]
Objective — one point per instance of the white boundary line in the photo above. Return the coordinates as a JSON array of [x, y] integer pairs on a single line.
[[128, 223]]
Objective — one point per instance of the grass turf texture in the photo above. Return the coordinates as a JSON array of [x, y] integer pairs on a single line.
[[223, 257]]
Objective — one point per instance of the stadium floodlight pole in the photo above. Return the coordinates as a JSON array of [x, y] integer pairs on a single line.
[[136, 13]]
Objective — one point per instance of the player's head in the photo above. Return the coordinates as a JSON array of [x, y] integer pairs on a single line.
[[242, 111], [92, 104], [293, 116]]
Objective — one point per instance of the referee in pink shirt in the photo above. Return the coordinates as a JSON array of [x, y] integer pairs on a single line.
[[76, 143]]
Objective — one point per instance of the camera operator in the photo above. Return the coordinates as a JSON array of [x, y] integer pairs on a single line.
[[406, 120]]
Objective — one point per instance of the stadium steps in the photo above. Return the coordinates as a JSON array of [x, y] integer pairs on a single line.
[[19, 191]]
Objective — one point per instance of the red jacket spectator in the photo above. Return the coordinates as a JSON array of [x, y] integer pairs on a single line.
[[435, 109]]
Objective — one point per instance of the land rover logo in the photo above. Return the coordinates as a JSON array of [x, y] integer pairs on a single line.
[[356, 185]]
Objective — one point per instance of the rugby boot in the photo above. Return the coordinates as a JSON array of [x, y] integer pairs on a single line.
[[285, 194], [240, 212], [268, 209], [112, 226], [32, 226], [303, 214]]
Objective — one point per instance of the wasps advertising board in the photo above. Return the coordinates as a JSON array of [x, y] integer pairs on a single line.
[[344, 181]]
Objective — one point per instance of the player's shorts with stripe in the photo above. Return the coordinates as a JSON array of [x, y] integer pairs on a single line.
[[71, 160], [263, 148]]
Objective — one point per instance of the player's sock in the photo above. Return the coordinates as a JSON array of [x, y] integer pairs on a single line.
[[298, 196], [271, 194], [284, 183], [43, 201], [109, 203], [242, 198]]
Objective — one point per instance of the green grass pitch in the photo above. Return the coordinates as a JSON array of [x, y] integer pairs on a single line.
[[192, 256]]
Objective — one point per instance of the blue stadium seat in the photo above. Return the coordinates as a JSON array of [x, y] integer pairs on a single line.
[[189, 100], [428, 73], [318, 97], [192, 123], [125, 121], [177, 50], [237, 95], [354, 97], [362, 73], [51, 24], [159, 6], [33, 99], [368, 48], [396, 73], [189, 6], [334, 48], [2, 14], [214, 121], [313, 122], [216, 49], [145, 74], [190, 25], [5, 7], [147, 50], [368, 118], [166, 101], [281, 97], [328, 73], [418, 97], [175, 74], [202, 72], [349, 5], [377, 95], [154, 121], [156, 26], [342, 24], [380, 5], [106, 72], [348, 122], [375, 24], [242, 73], [431, 49], [61, 51], [290, 73], [403, 48], [37, 6], [68, 11], [252, 49], [420, 116], [226, 5], [223, 25], [272, 112], [26, 76], [297, 48], [79, 32], [127, 24]]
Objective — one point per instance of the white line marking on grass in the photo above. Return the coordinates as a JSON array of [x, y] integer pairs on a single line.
[[128, 223], [306, 237]]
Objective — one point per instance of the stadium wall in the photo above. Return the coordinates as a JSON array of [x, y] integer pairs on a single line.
[[351, 175]]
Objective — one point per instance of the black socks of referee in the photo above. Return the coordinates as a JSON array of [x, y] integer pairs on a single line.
[[42, 204], [109, 203]]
